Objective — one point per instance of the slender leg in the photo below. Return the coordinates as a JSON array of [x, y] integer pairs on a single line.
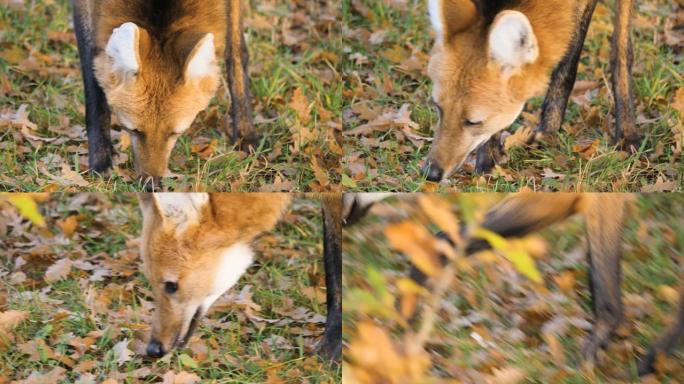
[[237, 60], [604, 233], [621, 68], [560, 87], [331, 345], [667, 342], [563, 78], [98, 116]]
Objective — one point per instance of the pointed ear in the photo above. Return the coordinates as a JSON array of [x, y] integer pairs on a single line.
[[201, 61], [123, 48], [450, 17], [512, 42], [180, 210]]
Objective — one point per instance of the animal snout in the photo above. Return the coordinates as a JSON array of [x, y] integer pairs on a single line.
[[433, 172], [155, 349]]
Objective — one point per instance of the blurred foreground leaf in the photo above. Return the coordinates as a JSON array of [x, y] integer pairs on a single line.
[[27, 207], [521, 259]]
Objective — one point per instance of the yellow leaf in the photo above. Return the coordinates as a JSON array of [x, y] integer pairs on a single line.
[[409, 291], [68, 225], [668, 294], [439, 212], [417, 243], [521, 259], [27, 207]]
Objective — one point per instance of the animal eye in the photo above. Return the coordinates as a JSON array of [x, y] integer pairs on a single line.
[[170, 286], [471, 123]]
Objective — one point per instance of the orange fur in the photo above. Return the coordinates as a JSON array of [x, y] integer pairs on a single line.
[[192, 256], [159, 99]]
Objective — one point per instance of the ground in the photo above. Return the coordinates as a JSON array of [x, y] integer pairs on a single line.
[[297, 102], [75, 307], [388, 118], [493, 324]]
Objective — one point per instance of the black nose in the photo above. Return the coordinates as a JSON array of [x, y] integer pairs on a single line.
[[433, 172], [155, 349]]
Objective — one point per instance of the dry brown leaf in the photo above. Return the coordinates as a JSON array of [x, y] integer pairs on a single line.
[[661, 185], [10, 319], [85, 366], [59, 270], [586, 148], [678, 102], [121, 352], [17, 119], [300, 104], [68, 225], [54, 376], [182, 377]]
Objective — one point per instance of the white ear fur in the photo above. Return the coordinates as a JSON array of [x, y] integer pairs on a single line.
[[123, 46], [434, 9], [512, 42], [202, 60], [180, 209]]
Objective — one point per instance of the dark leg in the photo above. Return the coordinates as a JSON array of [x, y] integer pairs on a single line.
[[621, 66], [560, 87], [604, 232], [331, 345], [563, 78], [667, 342], [98, 117], [488, 154], [237, 60]]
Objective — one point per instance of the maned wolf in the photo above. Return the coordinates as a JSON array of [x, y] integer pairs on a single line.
[[491, 56], [604, 214], [195, 246], [153, 63]]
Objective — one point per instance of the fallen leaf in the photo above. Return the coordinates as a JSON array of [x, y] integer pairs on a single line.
[[68, 225], [59, 270], [121, 352], [182, 377], [300, 104], [10, 319]]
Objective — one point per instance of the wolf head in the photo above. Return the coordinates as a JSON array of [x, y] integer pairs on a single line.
[[189, 262], [487, 61], [156, 89]]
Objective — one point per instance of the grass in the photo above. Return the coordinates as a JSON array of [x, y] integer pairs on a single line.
[[39, 68], [512, 315], [232, 345], [384, 80]]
